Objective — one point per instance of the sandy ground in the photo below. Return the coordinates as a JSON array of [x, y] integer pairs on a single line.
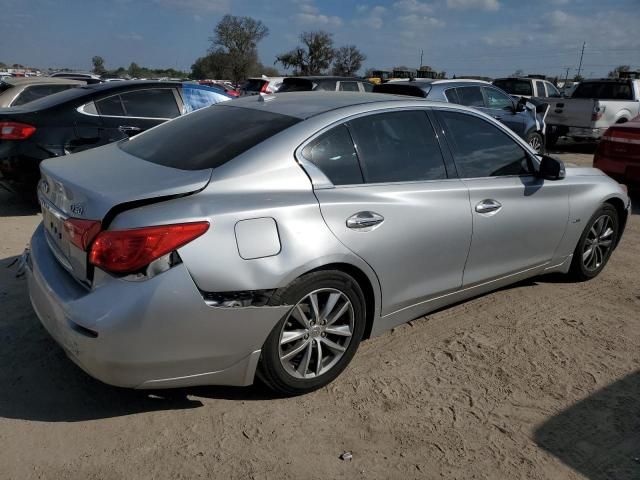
[[540, 380]]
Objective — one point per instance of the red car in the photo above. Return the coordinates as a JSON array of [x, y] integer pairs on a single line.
[[618, 153]]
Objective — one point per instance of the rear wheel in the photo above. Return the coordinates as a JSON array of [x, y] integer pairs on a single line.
[[314, 343], [596, 244]]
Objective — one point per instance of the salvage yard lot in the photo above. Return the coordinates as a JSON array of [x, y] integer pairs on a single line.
[[538, 380]]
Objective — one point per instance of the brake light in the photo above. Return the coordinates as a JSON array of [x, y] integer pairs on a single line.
[[15, 131], [126, 251], [265, 88], [81, 232], [597, 113], [630, 136]]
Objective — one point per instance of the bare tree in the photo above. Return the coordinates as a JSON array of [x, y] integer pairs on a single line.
[[615, 73], [348, 60], [238, 38], [313, 58]]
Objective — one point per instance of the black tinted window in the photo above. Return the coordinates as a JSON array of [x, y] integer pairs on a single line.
[[38, 91], [452, 96], [514, 86], [296, 85], [400, 89], [470, 96], [333, 153], [496, 99], [152, 103], [349, 87], [604, 90], [397, 147], [206, 138], [368, 87], [481, 149], [110, 106]]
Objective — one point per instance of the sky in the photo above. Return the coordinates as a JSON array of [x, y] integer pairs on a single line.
[[462, 37]]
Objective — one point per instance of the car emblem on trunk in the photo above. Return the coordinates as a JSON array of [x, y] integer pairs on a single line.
[[77, 208]]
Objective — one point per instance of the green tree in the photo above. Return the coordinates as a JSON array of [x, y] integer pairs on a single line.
[[134, 70], [615, 73], [237, 38], [347, 61], [98, 65], [313, 58]]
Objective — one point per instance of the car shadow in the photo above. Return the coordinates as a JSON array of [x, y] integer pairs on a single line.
[[599, 437], [38, 382], [13, 204], [569, 146]]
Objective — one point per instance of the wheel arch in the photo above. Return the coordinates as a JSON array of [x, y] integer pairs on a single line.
[[618, 204]]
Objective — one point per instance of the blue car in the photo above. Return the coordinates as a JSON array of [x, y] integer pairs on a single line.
[[526, 118]]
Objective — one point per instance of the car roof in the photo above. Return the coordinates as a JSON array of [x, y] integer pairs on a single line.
[[330, 78], [20, 81], [304, 105]]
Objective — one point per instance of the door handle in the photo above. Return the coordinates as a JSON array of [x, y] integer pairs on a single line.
[[129, 130], [364, 220], [488, 206]]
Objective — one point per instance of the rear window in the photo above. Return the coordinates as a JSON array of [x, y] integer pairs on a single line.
[[604, 91], [410, 90], [296, 85], [254, 85], [514, 86], [207, 138], [36, 92]]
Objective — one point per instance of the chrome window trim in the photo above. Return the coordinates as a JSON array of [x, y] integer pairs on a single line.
[[80, 109]]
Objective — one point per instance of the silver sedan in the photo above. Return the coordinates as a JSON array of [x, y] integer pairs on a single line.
[[268, 236]]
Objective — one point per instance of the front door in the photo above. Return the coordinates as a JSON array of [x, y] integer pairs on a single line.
[[501, 107], [393, 205], [518, 218]]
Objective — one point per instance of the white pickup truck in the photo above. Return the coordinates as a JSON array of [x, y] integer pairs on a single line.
[[594, 106]]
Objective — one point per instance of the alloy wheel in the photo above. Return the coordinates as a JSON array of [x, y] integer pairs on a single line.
[[316, 333], [536, 143], [598, 243]]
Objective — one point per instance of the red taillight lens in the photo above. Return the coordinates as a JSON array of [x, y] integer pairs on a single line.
[[125, 251], [15, 131], [597, 113], [81, 232], [265, 88]]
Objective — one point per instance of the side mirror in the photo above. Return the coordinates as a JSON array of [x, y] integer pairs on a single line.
[[520, 105], [551, 168]]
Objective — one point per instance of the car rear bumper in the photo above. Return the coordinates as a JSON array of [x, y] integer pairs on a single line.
[[155, 333], [586, 133]]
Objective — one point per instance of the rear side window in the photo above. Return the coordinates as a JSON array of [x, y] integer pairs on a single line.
[[395, 89], [349, 87], [333, 153], [207, 138], [151, 103], [470, 96], [481, 149], [539, 88], [296, 85], [604, 91], [38, 91], [368, 87], [397, 147], [111, 106], [452, 96]]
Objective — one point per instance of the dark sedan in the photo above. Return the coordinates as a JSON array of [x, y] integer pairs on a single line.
[[88, 117], [322, 83]]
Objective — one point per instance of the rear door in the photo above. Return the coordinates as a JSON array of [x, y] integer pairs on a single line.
[[392, 203], [518, 219]]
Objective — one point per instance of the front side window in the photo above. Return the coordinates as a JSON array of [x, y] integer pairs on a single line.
[[470, 96], [497, 100], [334, 154], [552, 91], [150, 103], [368, 87], [397, 147], [482, 150], [349, 87]]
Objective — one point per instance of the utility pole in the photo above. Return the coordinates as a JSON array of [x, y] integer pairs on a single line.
[[421, 53], [581, 55], [566, 77]]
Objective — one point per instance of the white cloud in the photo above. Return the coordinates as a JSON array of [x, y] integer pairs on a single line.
[[478, 4], [414, 6], [318, 19], [417, 22], [370, 17]]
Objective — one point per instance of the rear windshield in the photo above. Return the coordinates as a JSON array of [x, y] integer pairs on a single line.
[[513, 86], [296, 85], [254, 85], [604, 91], [410, 90], [207, 138]]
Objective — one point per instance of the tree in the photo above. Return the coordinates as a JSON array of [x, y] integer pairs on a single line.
[[98, 65], [237, 38], [312, 60], [347, 61], [134, 70], [615, 73], [215, 65]]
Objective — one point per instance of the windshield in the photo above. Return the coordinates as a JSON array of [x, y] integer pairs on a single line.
[[604, 91], [513, 86], [207, 138]]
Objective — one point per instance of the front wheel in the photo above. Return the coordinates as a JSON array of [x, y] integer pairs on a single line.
[[535, 141], [319, 336], [596, 244]]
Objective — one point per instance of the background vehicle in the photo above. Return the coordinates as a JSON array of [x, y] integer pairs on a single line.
[[88, 117], [20, 90], [594, 106], [88, 78], [224, 86], [618, 152], [379, 76], [527, 87], [264, 84], [526, 122], [276, 246], [330, 84]]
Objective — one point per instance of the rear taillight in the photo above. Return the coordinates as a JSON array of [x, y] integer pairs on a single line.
[[15, 131], [630, 136], [265, 88], [597, 113], [126, 251], [81, 232]]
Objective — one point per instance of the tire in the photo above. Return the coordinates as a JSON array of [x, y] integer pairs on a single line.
[[301, 372], [585, 266], [551, 140], [535, 140]]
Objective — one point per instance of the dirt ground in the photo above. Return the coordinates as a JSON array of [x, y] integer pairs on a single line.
[[537, 381]]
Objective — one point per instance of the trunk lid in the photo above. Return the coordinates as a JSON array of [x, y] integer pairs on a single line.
[[570, 112], [88, 185], [621, 142]]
